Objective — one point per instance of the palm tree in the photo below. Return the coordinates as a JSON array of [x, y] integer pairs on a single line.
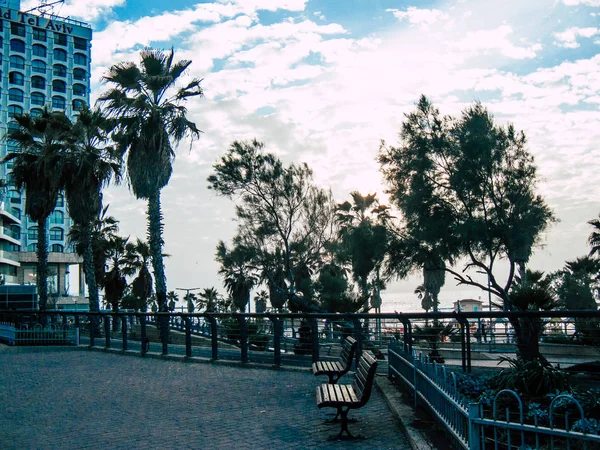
[[89, 165], [173, 299], [104, 230], [120, 266], [209, 299], [151, 118], [594, 239], [140, 257], [36, 169]]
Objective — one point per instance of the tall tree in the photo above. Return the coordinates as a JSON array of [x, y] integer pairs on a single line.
[[104, 229], [140, 256], [89, 165], [364, 238], [238, 277], [36, 169], [148, 106], [284, 219], [466, 188], [119, 268]]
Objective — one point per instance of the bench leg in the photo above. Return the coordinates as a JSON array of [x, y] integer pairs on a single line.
[[348, 435], [335, 419]]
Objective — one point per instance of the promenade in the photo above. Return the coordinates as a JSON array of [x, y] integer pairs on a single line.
[[73, 398]]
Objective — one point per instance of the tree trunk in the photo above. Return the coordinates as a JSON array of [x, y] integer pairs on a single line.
[[155, 243], [42, 265], [527, 334], [88, 268]]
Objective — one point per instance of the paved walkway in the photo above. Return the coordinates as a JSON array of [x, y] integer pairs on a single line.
[[75, 399]]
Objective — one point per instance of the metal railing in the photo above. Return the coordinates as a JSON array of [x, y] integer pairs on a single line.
[[470, 426], [38, 334]]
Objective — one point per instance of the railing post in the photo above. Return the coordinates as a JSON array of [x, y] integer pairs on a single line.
[[214, 338], [144, 337], [163, 321], [359, 340], [276, 341], [124, 332], [107, 331], [474, 428], [314, 331], [188, 337], [243, 338], [92, 327], [77, 329]]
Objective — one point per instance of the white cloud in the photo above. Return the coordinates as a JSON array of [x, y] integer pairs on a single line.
[[568, 38], [417, 16], [250, 6], [87, 10], [581, 2], [485, 41]]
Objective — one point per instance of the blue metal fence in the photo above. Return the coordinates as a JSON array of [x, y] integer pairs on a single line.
[[467, 424]]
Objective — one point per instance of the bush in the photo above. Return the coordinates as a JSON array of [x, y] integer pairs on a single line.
[[531, 379]]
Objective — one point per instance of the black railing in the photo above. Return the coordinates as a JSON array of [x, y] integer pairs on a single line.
[[462, 339]]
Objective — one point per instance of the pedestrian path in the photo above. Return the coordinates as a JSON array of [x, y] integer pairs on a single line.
[[55, 398]]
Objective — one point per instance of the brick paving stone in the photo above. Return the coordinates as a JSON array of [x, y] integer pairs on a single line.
[[93, 400]]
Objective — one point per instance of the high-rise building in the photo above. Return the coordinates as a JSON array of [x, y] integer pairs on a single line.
[[45, 62]]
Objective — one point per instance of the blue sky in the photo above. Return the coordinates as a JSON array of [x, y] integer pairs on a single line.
[[323, 81]]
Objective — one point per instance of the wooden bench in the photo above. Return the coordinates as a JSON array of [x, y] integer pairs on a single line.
[[345, 397], [335, 369]]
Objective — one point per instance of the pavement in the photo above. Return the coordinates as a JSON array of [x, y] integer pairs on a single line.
[[74, 398]]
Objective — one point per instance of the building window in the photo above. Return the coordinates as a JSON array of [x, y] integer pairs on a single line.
[[57, 217], [15, 197], [60, 39], [16, 78], [15, 231], [18, 29], [17, 45], [13, 126], [32, 248], [79, 74], [57, 248], [39, 50], [17, 62], [59, 70], [60, 200], [39, 34], [38, 83], [56, 234], [59, 102], [35, 112], [38, 66], [79, 89], [14, 110], [15, 95], [59, 86], [60, 54], [80, 59], [16, 212], [78, 105], [38, 99], [80, 43], [32, 233]]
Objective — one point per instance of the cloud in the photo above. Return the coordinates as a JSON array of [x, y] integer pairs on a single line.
[[88, 10], [484, 41], [568, 38], [419, 17], [581, 2]]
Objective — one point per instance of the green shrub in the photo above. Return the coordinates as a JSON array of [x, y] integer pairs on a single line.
[[532, 379]]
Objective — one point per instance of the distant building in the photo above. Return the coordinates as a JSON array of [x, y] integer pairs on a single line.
[[468, 305], [45, 62]]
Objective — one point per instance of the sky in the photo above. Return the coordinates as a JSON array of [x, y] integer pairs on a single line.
[[324, 81]]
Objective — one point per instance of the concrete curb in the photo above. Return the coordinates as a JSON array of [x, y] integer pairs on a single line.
[[404, 413]]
